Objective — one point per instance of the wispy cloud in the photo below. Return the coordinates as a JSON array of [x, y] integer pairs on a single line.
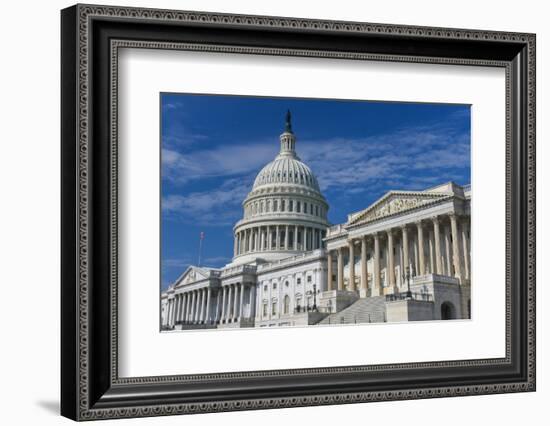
[[352, 164], [348, 167], [222, 161], [217, 207]]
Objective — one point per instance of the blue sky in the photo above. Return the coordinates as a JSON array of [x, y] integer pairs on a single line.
[[213, 146]]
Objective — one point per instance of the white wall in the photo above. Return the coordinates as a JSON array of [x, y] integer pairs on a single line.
[[29, 223]]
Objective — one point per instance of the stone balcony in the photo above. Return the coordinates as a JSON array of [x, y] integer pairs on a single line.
[[238, 270]]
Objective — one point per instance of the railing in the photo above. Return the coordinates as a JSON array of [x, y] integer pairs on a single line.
[[242, 269], [286, 260], [409, 295], [335, 230]]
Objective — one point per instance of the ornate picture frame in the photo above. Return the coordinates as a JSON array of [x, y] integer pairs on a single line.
[[90, 39]]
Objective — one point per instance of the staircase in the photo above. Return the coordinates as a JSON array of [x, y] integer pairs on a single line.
[[369, 309]]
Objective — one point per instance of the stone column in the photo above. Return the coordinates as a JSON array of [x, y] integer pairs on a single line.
[[421, 264], [242, 287], [437, 243], [391, 260], [269, 237], [286, 237], [207, 313], [193, 306], [169, 314], [186, 306], [277, 238], [351, 266], [250, 240], [364, 271], [431, 249], [235, 301], [235, 244], [295, 237], [182, 307], [376, 286], [182, 310], [448, 252], [200, 306], [465, 251], [340, 270], [200, 297], [224, 293], [262, 239], [329, 271], [176, 307], [456, 250], [230, 310], [252, 304], [405, 239]]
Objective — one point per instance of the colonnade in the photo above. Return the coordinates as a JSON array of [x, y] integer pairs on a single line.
[[203, 306], [231, 302], [448, 253], [191, 307], [278, 237]]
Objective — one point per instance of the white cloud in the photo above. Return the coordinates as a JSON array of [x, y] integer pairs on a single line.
[[218, 207], [222, 161], [351, 166]]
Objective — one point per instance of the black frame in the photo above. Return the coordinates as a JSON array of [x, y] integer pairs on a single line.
[[90, 387]]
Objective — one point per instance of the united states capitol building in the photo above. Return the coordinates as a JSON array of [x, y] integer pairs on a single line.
[[406, 257]]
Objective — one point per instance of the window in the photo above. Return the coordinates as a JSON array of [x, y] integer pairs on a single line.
[[290, 205], [309, 278], [286, 304], [297, 206], [274, 308], [274, 286], [298, 281], [275, 205], [265, 287], [264, 310], [311, 209], [286, 283], [282, 205], [316, 210]]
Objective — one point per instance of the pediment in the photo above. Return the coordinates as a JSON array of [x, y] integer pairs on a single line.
[[191, 275], [395, 202]]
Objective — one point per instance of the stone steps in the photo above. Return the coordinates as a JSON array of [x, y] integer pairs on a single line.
[[369, 309]]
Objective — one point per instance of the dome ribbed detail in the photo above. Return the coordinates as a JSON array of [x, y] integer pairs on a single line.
[[286, 170]]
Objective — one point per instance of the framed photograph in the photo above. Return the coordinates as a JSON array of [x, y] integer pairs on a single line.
[[263, 212]]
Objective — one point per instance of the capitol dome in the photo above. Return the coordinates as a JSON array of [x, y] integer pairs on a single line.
[[285, 213], [286, 169]]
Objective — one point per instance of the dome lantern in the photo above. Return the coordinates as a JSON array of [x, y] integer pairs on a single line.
[[287, 138]]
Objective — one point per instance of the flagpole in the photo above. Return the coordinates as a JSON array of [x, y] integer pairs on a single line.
[[200, 247]]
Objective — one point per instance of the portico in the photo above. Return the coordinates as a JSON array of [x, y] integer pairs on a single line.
[[402, 234]]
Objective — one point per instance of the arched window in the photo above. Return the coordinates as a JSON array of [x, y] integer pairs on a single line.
[[447, 311], [286, 304]]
